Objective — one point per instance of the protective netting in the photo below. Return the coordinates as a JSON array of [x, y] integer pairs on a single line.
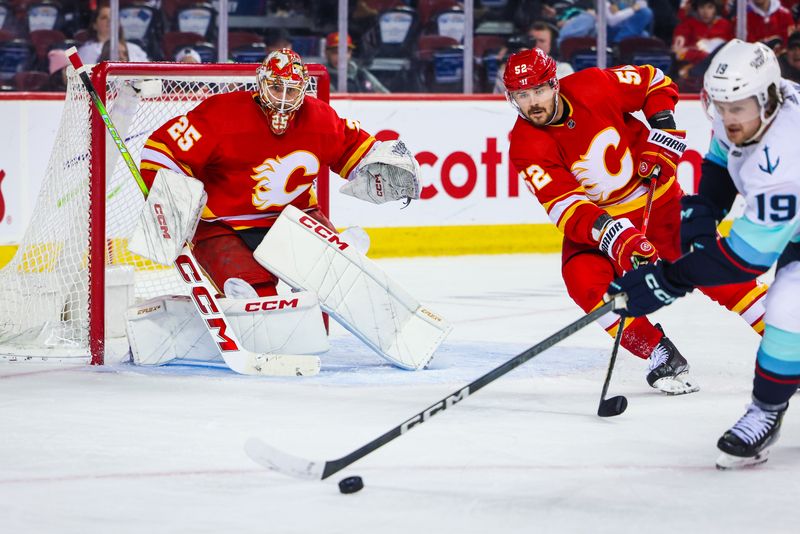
[[44, 290]]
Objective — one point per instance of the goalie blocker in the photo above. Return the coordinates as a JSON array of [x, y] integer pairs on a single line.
[[352, 289]]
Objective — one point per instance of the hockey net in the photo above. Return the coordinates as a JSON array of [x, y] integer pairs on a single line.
[[63, 296]]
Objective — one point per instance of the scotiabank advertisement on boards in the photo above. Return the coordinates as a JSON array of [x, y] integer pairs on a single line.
[[461, 145]]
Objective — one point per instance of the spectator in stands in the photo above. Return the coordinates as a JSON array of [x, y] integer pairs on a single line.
[[188, 54], [57, 65], [665, 18], [576, 22], [697, 36], [544, 36], [99, 34], [277, 39], [105, 53], [628, 19], [625, 18], [359, 79], [523, 13], [769, 22], [790, 60]]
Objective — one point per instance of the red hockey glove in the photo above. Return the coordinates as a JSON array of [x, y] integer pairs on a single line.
[[625, 244], [663, 149]]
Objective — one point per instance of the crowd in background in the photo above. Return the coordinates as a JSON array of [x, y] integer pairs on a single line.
[[393, 45]]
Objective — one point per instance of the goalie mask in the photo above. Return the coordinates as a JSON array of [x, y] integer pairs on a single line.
[[282, 83], [531, 85]]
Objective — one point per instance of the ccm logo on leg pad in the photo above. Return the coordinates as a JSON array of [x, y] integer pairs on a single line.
[[323, 231], [162, 220]]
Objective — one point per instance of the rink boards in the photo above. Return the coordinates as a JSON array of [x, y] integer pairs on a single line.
[[472, 200]]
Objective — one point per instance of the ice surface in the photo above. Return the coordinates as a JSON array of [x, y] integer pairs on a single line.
[[120, 449]]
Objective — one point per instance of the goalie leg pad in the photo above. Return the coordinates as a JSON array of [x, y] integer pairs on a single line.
[[168, 328], [352, 289], [169, 217], [285, 324], [164, 329]]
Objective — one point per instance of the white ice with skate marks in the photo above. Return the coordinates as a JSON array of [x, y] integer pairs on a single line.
[[124, 449]]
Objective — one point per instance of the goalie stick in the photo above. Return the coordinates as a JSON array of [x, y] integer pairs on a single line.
[[617, 405], [236, 357], [277, 460]]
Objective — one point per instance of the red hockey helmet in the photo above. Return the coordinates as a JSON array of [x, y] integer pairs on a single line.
[[528, 70], [282, 83]]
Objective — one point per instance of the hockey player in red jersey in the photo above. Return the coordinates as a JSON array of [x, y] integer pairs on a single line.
[[236, 177], [256, 153], [585, 156]]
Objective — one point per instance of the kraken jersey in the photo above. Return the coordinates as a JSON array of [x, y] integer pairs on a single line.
[[767, 175]]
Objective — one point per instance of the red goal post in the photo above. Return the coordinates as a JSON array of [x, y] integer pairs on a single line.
[[74, 250]]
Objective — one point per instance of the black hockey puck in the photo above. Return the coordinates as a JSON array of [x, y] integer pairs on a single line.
[[351, 484]]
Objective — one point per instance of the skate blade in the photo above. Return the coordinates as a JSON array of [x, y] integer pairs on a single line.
[[727, 461], [676, 385]]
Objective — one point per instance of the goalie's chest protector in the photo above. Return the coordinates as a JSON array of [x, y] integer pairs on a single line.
[[598, 142], [250, 173]]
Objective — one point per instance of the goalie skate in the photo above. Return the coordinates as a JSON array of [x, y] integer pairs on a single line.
[[669, 370]]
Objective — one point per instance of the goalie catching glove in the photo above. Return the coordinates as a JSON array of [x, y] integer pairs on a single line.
[[388, 172]]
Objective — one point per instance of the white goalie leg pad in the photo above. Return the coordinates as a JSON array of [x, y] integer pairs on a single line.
[[284, 324], [168, 328], [164, 329], [352, 289], [169, 217]]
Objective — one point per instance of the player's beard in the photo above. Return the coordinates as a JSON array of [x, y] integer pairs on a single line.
[[540, 115]]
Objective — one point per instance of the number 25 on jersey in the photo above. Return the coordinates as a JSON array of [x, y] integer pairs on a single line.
[[184, 133]]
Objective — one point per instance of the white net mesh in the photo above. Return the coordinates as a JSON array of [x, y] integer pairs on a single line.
[[44, 290]]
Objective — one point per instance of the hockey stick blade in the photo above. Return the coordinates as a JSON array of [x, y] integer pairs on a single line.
[[615, 405], [276, 460], [612, 407], [284, 365]]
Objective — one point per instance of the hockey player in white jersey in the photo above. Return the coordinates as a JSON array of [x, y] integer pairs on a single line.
[[756, 125]]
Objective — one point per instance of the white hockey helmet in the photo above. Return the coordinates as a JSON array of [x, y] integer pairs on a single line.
[[742, 70]]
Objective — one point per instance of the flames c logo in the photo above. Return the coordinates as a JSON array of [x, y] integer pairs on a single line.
[[2, 202], [273, 174]]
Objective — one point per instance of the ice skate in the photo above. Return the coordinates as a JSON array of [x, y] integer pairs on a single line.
[[747, 443], [669, 370]]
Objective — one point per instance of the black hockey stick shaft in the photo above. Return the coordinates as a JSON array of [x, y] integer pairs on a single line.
[[334, 466], [617, 405]]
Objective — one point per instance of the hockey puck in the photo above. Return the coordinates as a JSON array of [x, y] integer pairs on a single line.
[[351, 484]]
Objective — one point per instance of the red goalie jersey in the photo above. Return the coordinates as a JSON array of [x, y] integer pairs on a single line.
[[249, 173], [587, 164]]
